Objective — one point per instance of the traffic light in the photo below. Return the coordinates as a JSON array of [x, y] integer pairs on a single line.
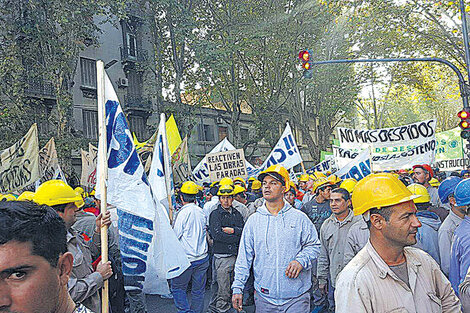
[[464, 124], [305, 55]]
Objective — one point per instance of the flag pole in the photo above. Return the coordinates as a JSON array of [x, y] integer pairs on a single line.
[[167, 168], [103, 167]]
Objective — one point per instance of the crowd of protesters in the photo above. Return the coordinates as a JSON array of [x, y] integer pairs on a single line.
[[391, 242]]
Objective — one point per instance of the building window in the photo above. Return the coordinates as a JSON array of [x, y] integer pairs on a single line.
[[206, 133], [90, 124], [245, 135], [223, 132], [131, 45], [137, 125], [135, 83], [88, 72]]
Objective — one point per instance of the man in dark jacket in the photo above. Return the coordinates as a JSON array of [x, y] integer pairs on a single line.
[[226, 225]]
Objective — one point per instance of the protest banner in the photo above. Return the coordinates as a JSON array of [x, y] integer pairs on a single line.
[[226, 164], [201, 172], [284, 153], [89, 160], [358, 168], [48, 161], [19, 164], [412, 134], [148, 260], [181, 163], [329, 165]]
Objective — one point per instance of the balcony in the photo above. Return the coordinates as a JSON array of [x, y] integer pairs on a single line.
[[38, 87], [137, 102]]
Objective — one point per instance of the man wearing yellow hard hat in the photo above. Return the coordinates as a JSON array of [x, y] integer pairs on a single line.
[[309, 186], [388, 275], [225, 225], [318, 208], [285, 244], [85, 283], [427, 236], [190, 229]]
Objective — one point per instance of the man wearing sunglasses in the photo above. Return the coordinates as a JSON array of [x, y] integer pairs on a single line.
[[226, 225], [280, 243]]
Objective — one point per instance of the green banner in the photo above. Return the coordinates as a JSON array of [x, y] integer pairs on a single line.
[[449, 145]]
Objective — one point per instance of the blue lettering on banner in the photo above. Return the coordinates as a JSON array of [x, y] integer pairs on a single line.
[[134, 250], [359, 171]]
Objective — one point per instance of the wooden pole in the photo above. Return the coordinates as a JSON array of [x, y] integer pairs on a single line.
[[303, 167], [103, 168]]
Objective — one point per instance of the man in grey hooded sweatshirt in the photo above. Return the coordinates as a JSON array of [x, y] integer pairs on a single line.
[[281, 243]]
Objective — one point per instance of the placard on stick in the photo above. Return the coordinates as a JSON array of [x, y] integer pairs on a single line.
[[226, 164]]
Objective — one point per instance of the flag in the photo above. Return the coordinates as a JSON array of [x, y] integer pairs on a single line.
[[160, 175], [284, 153], [173, 134], [150, 251]]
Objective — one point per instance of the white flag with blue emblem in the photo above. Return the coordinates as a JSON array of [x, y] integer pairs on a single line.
[[140, 219]]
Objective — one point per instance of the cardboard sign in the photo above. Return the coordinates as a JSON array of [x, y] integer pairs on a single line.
[[226, 164], [19, 164]]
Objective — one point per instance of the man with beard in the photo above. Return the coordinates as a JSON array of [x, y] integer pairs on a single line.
[[388, 275]]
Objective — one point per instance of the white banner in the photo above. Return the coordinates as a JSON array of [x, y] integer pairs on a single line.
[[284, 153], [181, 163], [412, 134], [147, 258], [343, 156], [358, 168], [328, 165], [19, 164], [421, 154], [201, 172], [89, 159], [453, 165]]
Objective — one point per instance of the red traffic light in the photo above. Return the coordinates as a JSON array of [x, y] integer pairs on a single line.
[[464, 114], [304, 55], [464, 124]]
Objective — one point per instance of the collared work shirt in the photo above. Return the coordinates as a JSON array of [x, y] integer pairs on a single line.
[[357, 238], [367, 284], [444, 235], [332, 235], [84, 282]]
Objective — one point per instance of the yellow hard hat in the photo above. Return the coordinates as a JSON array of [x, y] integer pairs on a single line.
[[238, 189], [200, 188], [226, 181], [80, 191], [434, 182], [214, 183], [319, 175], [226, 190], [93, 192], [378, 191], [333, 179], [348, 184], [319, 182], [421, 191], [8, 197], [278, 171], [26, 196], [303, 178], [292, 187], [251, 179], [256, 185], [55, 192], [189, 188], [239, 179]]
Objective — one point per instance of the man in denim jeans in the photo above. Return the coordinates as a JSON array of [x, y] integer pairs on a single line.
[[190, 228]]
